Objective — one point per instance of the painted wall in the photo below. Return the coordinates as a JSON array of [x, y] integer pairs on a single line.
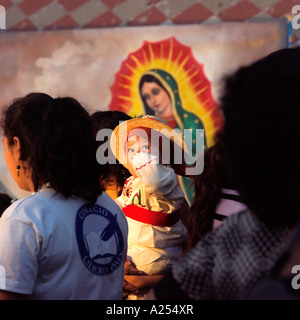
[[44, 15], [74, 14]]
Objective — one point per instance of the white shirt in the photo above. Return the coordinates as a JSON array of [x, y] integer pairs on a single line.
[[55, 248]]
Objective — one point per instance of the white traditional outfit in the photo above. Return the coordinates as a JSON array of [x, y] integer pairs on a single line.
[[153, 202]]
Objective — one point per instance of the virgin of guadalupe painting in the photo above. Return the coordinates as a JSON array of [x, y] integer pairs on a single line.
[[165, 80]]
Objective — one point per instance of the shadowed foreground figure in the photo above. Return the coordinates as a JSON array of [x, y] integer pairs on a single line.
[[261, 138]]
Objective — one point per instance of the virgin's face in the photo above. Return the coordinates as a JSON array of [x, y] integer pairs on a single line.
[[157, 99]]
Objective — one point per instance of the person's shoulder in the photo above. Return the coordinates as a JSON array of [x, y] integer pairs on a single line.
[[241, 223], [42, 200], [246, 226], [106, 201], [111, 208], [18, 205]]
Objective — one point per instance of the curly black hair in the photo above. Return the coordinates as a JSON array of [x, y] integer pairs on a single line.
[[58, 142], [109, 119], [261, 135]]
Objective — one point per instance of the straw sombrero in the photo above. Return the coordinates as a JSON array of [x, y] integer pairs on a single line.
[[119, 137]]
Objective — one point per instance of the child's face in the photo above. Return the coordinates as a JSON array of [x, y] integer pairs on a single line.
[[135, 145]]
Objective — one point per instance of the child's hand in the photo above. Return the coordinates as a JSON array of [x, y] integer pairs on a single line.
[[142, 159], [130, 269]]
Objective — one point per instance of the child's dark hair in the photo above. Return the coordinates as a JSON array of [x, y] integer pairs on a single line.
[[261, 136], [57, 141], [110, 120]]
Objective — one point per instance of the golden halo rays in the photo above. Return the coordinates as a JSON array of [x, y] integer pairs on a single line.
[[176, 59]]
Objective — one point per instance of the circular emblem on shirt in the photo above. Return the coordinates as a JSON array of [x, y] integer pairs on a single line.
[[99, 239]]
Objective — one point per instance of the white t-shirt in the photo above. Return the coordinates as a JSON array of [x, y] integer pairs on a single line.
[[57, 249]]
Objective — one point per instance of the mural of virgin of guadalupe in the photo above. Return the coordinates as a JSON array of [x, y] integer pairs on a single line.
[[161, 98], [164, 79]]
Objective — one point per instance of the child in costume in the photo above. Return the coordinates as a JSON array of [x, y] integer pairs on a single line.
[[152, 199]]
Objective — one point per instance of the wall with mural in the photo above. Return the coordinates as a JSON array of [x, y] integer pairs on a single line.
[[99, 52]]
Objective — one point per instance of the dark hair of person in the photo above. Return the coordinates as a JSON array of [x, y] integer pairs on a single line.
[[5, 202], [207, 187], [110, 120], [149, 78], [58, 142], [261, 136]]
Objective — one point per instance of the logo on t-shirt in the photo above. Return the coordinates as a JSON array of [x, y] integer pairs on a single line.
[[99, 239]]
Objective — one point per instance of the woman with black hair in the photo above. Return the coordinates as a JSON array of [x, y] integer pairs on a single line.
[[68, 239]]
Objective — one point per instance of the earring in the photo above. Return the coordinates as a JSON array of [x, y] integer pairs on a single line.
[[18, 170]]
